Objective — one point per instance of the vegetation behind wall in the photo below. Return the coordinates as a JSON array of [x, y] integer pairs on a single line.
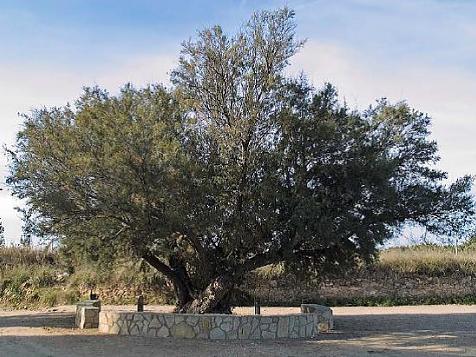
[[34, 278]]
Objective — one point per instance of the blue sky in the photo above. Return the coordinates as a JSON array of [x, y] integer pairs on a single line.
[[422, 51], [60, 32]]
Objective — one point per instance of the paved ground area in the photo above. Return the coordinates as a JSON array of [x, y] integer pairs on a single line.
[[360, 331]]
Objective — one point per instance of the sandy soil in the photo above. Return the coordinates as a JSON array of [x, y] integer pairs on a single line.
[[448, 330]]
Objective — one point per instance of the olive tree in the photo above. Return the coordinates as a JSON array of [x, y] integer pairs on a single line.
[[233, 168]]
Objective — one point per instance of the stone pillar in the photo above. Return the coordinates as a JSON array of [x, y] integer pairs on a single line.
[[87, 314], [323, 318]]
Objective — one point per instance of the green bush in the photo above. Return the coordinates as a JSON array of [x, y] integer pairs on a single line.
[[48, 297]]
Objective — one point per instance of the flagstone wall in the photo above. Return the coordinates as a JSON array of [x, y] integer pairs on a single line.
[[216, 326]]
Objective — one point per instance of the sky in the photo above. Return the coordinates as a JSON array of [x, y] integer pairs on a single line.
[[421, 51]]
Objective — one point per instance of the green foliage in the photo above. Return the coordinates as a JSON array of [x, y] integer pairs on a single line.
[[469, 244], [32, 278], [23, 285], [28, 228], [109, 168], [234, 168]]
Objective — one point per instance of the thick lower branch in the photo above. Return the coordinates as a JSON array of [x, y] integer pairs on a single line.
[[182, 291], [203, 254], [178, 267]]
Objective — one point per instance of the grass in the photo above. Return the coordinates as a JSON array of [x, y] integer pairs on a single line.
[[14, 256], [31, 278], [27, 275], [426, 260], [429, 260], [424, 274]]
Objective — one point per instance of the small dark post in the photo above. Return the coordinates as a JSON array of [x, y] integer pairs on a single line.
[[257, 307], [93, 296], [140, 303]]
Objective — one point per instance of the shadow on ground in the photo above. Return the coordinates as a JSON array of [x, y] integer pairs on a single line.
[[407, 322], [46, 319], [357, 335], [406, 334]]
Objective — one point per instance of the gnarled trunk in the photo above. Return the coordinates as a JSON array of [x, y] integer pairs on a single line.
[[213, 298]]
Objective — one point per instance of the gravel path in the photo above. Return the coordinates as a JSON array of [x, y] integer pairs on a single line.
[[360, 331]]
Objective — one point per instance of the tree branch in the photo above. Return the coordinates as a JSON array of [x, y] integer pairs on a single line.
[[181, 290]]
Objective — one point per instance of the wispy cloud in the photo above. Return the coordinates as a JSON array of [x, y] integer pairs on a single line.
[[420, 51], [25, 88], [445, 93]]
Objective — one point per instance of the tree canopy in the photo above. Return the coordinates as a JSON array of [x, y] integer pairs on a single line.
[[234, 167]]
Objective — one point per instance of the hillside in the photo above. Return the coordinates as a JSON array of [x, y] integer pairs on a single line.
[[419, 275]]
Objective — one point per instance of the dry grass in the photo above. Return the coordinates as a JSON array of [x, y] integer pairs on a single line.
[[13, 256], [36, 277], [428, 260]]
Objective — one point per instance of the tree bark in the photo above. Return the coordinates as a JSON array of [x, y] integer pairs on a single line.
[[182, 290], [212, 298]]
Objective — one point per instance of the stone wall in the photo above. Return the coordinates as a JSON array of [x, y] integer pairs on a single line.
[[213, 326], [368, 287]]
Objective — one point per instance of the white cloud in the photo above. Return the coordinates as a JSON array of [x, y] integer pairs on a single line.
[[445, 93], [24, 87]]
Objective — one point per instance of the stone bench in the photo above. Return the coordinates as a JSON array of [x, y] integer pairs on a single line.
[[87, 314]]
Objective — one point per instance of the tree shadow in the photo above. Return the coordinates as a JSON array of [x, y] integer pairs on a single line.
[[406, 322], [357, 335], [417, 334], [47, 319], [75, 345]]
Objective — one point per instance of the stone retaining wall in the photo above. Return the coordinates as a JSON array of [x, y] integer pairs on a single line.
[[213, 326]]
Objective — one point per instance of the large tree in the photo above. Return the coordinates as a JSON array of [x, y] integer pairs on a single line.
[[2, 235], [233, 168], [2, 232]]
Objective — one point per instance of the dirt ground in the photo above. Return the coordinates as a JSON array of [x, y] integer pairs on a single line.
[[359, 331]]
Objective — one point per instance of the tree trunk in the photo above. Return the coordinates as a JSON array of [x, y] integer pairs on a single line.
[[213, 299]]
